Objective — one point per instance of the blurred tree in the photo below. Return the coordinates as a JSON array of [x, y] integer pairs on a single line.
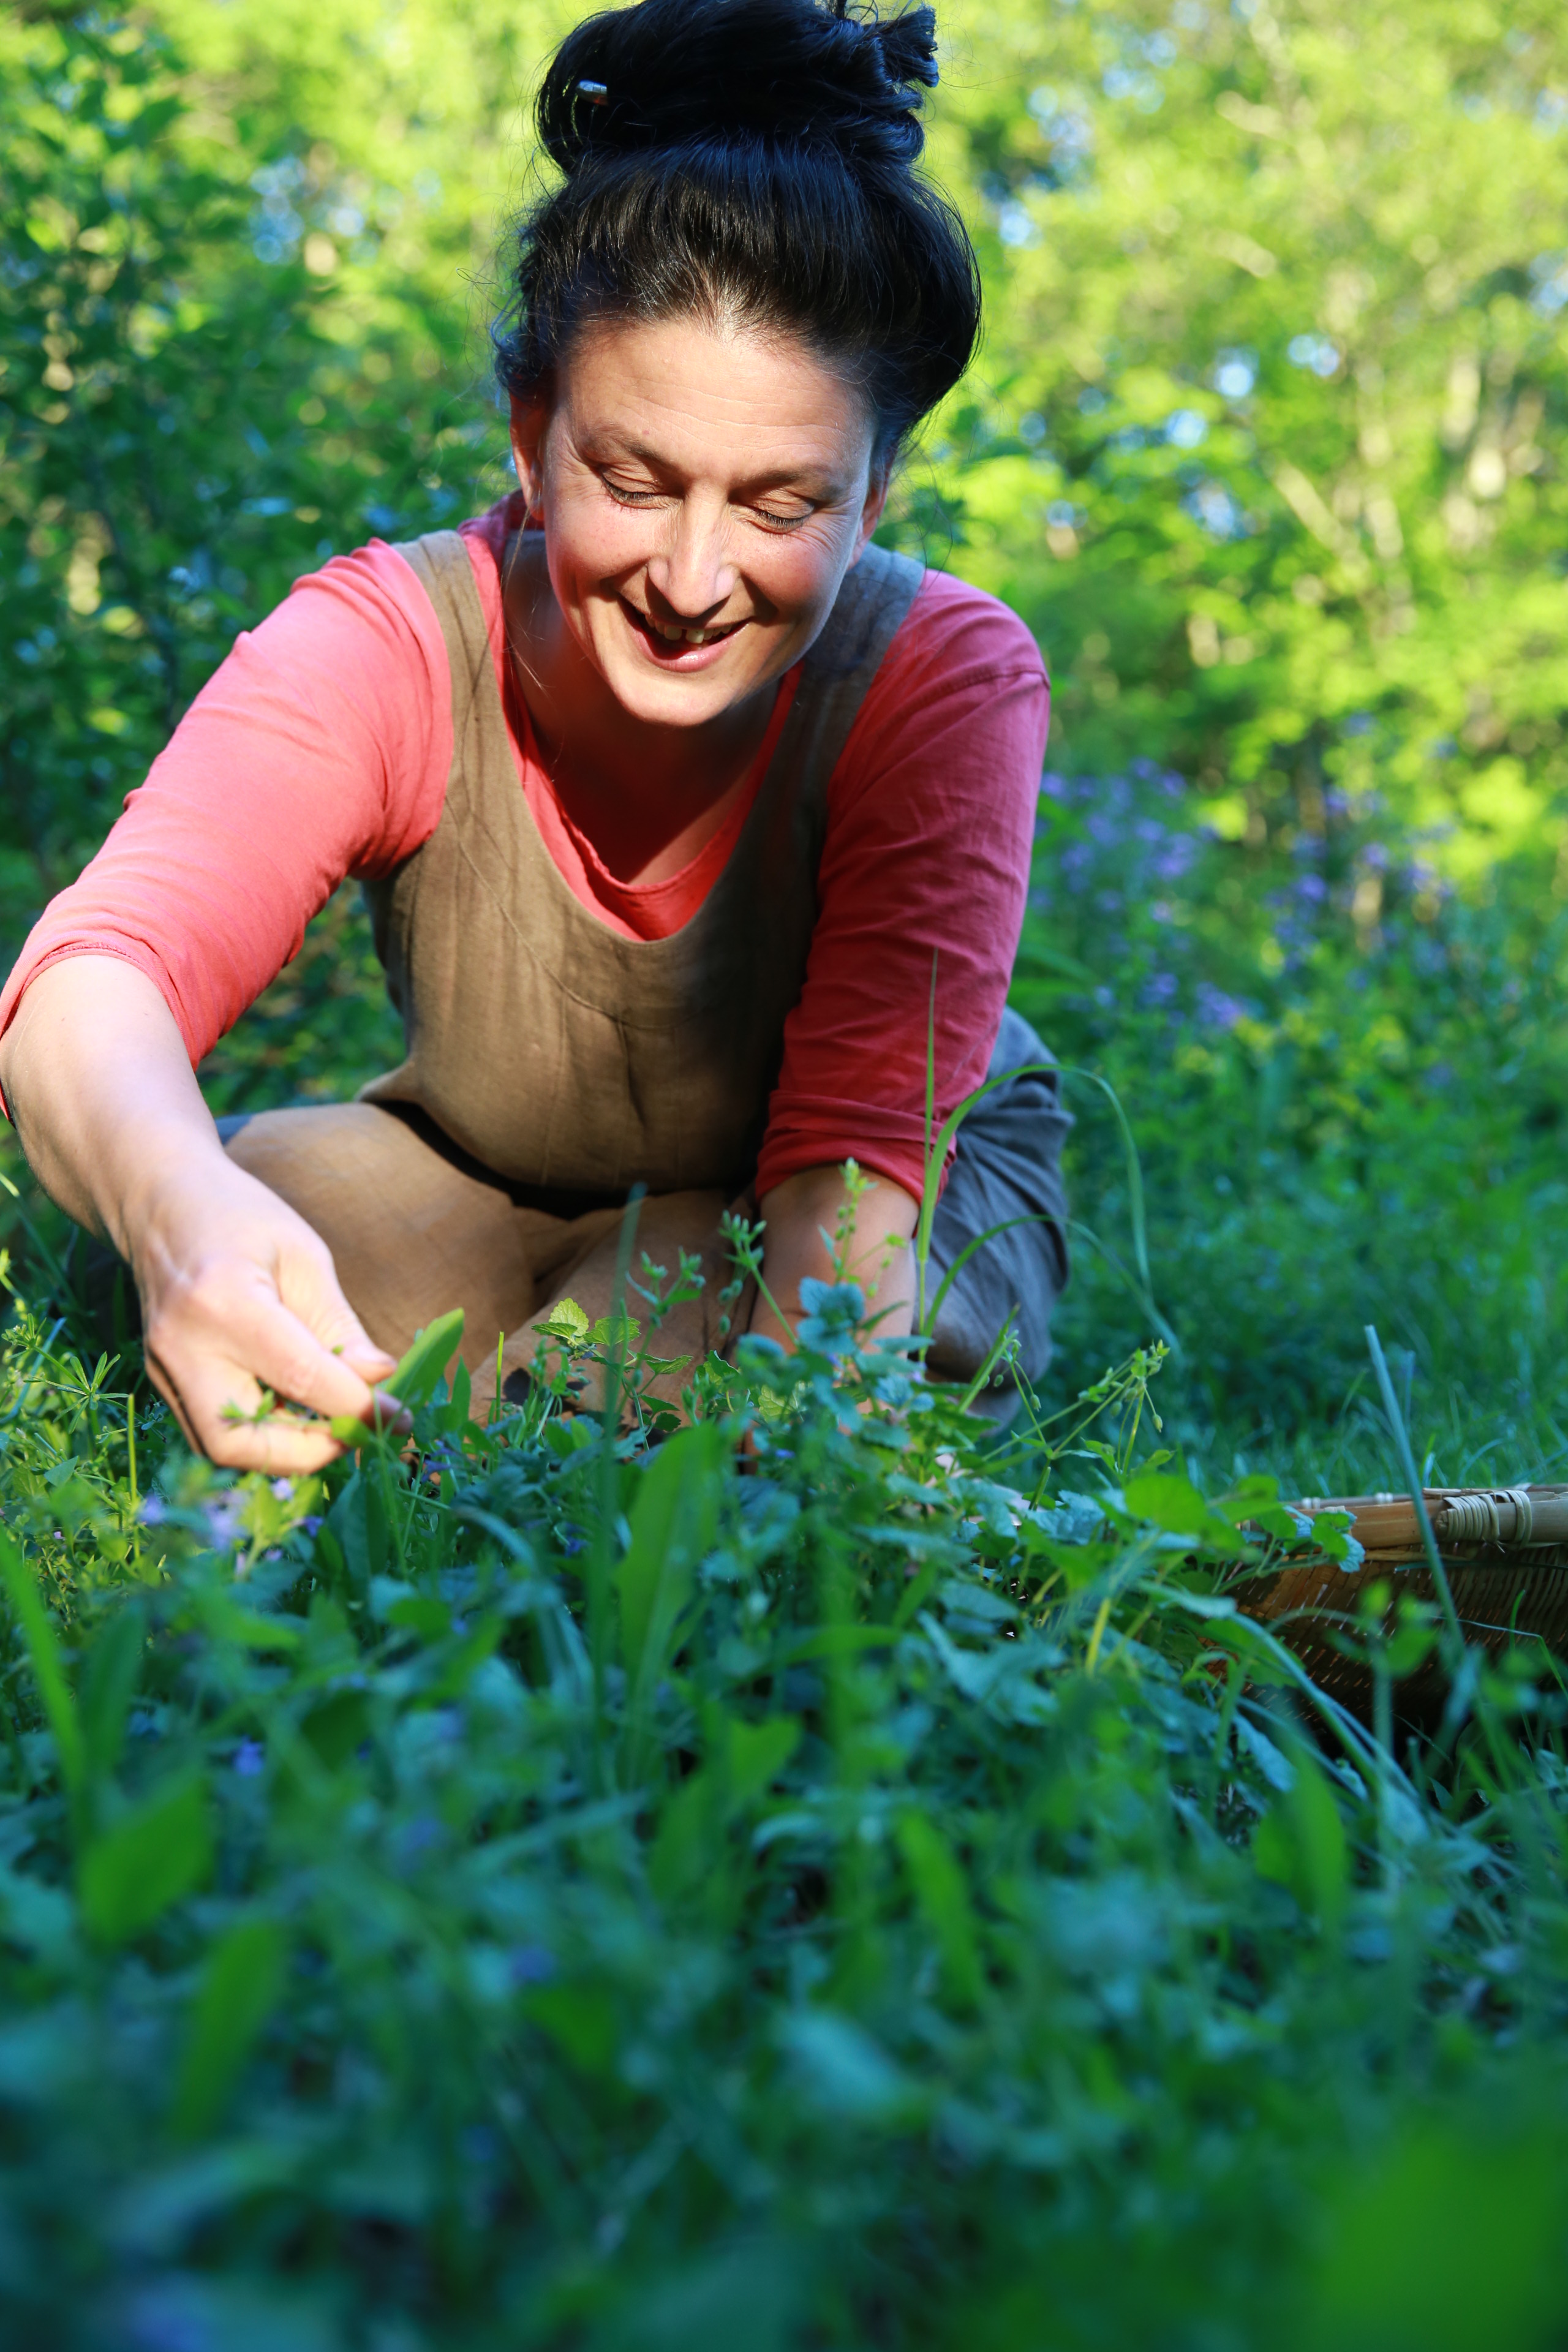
[[1267, 438]]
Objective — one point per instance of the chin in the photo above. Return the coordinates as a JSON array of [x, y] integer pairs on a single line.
[[673, 701]]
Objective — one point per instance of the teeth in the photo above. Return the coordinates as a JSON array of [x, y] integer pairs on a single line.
[[672, 634]]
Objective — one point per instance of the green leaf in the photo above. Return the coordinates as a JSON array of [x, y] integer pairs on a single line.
[[107, 1682], [942, 1895], [146, 1860], [581, 2019], [567, 1323], [338, 1726], [1301, 1844], [620, 1332], [1167, 1502], [226, 1620], [413, 1382], [238, 1993], [674, 1522], [758, 1753], [849, 2074]]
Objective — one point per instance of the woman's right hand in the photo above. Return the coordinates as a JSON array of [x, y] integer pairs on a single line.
[[240, 1298], [241, 1308]]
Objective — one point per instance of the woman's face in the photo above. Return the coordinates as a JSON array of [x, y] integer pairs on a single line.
[[703, 493]]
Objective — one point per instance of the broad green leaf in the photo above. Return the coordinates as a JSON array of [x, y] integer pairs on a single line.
[[1301, 1844], [238, 1991], [413, 1382], [673, 1524], [1172, 1503], [943, 1895], [758, 1753], [146, 1860]]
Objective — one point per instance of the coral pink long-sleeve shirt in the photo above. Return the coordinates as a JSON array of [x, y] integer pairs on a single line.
[[320, 751]]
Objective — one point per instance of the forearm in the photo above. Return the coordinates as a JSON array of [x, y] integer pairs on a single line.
[[240, 1302], [105, 1102], [801, 1218]]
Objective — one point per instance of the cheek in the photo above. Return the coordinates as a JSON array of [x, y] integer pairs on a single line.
[[589, 540], [800, 576]]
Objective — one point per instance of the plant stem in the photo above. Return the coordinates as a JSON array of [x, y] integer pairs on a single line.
[[1408, 1464]]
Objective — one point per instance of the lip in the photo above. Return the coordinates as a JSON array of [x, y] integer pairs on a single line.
[[681, 659]]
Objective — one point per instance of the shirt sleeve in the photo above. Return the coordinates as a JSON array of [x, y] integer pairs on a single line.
[[319, 749], [930, 820]]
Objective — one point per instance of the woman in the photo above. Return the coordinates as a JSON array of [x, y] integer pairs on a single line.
[[670, 790]]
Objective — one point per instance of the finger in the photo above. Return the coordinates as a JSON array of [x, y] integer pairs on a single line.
[[308, 1286], [282, 1352], [277, 1444], [217, 1388]]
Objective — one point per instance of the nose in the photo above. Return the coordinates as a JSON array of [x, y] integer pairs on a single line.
[[691, 572]]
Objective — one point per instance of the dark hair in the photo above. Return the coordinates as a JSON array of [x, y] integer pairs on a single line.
[[749, 160]]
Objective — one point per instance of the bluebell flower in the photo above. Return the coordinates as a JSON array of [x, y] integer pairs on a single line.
[[834, 1311]]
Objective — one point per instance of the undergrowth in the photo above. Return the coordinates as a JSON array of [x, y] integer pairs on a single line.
[[824, 1876]]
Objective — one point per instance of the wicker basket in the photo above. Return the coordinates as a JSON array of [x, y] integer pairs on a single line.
[[1505, 1549]]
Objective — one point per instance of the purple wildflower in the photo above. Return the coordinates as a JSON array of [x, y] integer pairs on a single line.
[[1216, 1010], [224, 1522]]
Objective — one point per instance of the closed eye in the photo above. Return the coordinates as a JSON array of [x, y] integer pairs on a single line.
[[768, 516], [624, 497], [773, 521]]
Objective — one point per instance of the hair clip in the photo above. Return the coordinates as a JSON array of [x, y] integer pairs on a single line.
[[595, 90]]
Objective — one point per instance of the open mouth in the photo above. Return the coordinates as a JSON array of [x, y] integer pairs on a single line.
[[670, 641]]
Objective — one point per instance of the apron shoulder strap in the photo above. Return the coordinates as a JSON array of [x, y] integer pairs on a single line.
[[836, 676], [439, 561]]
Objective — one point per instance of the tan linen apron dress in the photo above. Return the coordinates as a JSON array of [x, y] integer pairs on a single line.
[[551, 1063]]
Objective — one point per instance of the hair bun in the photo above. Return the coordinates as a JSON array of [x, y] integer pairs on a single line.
[[677, 73]]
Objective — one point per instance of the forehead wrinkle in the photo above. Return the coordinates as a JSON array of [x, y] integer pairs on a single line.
[[654, 378]]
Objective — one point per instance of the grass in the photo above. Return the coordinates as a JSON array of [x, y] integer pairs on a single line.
[[823, 1879]]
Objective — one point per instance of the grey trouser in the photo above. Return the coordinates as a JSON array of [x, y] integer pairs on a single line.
[[1008, 1166]]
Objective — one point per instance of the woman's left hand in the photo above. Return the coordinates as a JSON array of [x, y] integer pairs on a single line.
[[810, 1214]]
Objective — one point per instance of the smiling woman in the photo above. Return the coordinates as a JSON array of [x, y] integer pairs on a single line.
[[669, 787]]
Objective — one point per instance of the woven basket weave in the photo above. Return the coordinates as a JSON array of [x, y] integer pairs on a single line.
[[1505, 1549]]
